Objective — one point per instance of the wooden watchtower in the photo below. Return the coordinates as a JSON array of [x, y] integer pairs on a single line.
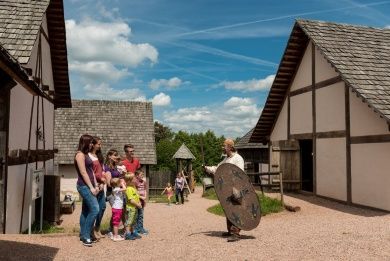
[[184, 157]]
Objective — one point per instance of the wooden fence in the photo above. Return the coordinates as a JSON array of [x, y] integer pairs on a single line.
[[158, 181]]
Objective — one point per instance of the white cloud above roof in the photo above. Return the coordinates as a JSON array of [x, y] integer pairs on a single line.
[[171, 83], [249, 85], [91, 40], [161, 99], [104, 91], [235, 116]]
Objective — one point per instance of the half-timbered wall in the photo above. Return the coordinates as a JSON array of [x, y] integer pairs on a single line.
[[19, 124], [280, 129], [303, 75], [370, 179]]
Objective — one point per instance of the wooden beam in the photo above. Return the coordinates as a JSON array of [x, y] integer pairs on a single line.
[[313, 82], [385, 138], [331, 134], [302, 136], [21, 156], [348, 144]]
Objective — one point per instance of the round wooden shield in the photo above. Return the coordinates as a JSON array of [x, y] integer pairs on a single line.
[[237, 196]]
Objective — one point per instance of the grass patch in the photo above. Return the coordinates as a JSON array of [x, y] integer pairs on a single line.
[[47, 228], [210, 194], [268, 205], [160, 199]]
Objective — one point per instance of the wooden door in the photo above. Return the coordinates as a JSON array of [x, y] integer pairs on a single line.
[[285, 158]]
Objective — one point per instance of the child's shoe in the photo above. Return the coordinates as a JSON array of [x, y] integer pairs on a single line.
[[136, 235], [117, 238], [110, 235], [129, 236], [143, 231]]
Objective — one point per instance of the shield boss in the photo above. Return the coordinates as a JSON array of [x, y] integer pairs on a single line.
[[237, 196]]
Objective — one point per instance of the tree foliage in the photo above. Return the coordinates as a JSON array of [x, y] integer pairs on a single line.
[[206, 148]]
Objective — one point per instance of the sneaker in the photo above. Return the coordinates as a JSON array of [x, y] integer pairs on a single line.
[[87, 242], [143, 231], [110, 235], [233, 238], [94, 239], [136, 235], [129, 236], [117, 238], [177, 203]]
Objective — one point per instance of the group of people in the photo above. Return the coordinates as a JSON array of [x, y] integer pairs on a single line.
[[120, 181]]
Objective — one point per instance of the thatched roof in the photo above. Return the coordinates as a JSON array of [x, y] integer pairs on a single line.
[[183, 153], [115, 122], [361, 55]]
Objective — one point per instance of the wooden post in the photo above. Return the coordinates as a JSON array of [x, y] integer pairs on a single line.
[[281, 187]]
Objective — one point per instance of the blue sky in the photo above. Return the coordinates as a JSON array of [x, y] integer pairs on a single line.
[[204, 64]]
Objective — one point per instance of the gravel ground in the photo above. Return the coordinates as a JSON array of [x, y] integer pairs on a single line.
[[322, 230]]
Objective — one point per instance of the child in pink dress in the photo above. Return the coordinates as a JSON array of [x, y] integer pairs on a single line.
[[169, 191]]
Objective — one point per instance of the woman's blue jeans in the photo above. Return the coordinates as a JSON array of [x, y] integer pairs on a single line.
[[89, 212], [101, 198]]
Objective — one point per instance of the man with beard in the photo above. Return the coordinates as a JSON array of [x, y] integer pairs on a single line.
[[233, 232]]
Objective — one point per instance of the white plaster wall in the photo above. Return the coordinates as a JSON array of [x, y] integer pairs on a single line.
[[303, 75], [280, 129], [370, 167], [331, 168], [301, 113], [364, 121], [324, 69], [15, 183], [330, 108], [19, 121]]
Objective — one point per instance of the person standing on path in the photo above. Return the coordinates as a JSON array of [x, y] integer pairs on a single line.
[[232, 157], [87, 187], [98, 161], [179, 188]]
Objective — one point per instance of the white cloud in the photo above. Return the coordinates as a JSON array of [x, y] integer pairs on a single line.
[[172, 83], [161, 99], [104, 92], [98, 71], [250, 85], [233, 118], [106, 42], [387, 26]]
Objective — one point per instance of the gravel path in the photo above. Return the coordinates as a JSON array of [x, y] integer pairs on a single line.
[[322, 230]]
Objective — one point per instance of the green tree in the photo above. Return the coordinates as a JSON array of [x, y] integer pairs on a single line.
[[162, 132]]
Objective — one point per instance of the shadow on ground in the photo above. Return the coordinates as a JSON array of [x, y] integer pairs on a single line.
[[338, 206], [219, 234], [11, 250]]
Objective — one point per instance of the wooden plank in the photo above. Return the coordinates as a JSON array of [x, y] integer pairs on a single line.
[[331, 134], [302, 136], [348, 144], [301, 90], [313, 81], [370, 139]]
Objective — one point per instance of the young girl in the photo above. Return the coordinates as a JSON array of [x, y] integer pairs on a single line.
[[117, 207], [169, 191]]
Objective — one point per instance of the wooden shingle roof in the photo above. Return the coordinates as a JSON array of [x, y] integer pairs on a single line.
[[361, 55], [20, 26], [243, 143], [183, 153], [115, 122]]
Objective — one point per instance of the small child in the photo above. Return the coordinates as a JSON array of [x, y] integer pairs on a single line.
[[117, 207], [133, 203], [140, 185], [169, 191]]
